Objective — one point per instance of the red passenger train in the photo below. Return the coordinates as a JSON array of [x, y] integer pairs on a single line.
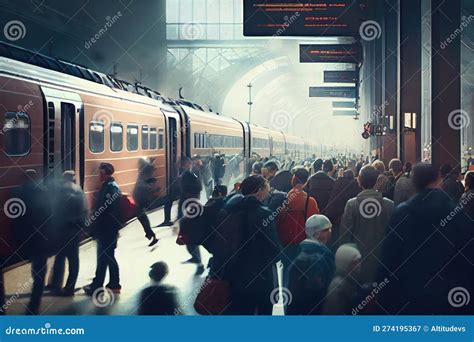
[[60, 116]]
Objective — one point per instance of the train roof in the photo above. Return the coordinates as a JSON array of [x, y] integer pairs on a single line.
[[79, 71]]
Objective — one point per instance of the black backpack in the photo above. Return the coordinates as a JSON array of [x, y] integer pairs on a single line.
[[199, 230], [229, 231]]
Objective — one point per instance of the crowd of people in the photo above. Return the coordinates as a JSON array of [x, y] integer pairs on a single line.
[[343, 230], [340, 228]]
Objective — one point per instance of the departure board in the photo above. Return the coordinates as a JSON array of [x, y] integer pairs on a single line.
[[350, 105], [340, 53], [340, 76], [340, 112], [343, 92], [302, 17]]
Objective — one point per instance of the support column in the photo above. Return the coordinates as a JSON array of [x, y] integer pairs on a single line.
[[446, 81], [389, 101], [409, 86]]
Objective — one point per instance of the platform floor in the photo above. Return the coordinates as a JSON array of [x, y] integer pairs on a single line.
[[134, 258]]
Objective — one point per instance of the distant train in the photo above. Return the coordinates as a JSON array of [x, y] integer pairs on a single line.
[[60, 116]]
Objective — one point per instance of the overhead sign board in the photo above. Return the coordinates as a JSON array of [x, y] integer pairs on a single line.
[[351, 105], [302, 17], [334, 53], [336, 76], [342, 92], [342, 112]]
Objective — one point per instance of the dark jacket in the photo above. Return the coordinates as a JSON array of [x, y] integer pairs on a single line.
[[145, 191], [344, 189], [386, 184], [282, 181], [319, 187], [70, 210], [467, 203], [158, 300], [428, 255], [106, 216], [254, 261], [190, 185], [453, 188], [310, 275], [31, 212]]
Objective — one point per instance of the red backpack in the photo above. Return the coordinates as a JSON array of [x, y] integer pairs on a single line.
[[291, 224], [128, 208]]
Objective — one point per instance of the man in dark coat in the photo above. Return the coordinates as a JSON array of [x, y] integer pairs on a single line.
[[252, 277], [189, 206], [321, 183], [450, 184], [344, 189], [70, 215], [105, 228], [34, 232], [427, 252]]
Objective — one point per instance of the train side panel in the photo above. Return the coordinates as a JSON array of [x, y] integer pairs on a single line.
[[21, 147]]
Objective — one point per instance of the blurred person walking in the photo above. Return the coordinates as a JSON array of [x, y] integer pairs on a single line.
[[70, 215], [144, 193]]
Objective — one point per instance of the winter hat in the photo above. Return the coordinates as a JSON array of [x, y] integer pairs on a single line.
[[346, 255], [315, 224]]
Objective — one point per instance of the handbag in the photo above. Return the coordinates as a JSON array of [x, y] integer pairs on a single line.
[[213, 297]]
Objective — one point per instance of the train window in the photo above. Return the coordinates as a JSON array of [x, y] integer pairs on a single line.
[[145, 137], [196, 140], [16, 129], [116, 137], [201, 140], [132, 137], [161, 138], [96, 137], [153, 138]]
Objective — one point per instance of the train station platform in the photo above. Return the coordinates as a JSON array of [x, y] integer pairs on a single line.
[[134, 258]]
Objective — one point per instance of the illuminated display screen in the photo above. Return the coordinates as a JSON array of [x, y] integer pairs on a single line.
[[301, 17], [342, 53], [343, 92], [341, 76]]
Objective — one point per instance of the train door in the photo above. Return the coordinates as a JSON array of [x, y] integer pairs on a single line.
[[64, 134], [173, 150]]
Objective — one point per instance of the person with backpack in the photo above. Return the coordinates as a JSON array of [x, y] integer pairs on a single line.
[[364, 221], [253, 248], [312, 269], [105, 229], [292, 217]]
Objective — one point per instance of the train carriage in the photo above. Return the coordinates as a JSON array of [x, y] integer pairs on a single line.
[[60, 116]]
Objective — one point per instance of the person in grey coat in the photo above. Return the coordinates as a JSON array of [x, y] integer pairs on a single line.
[[404, 189], [364, 221]]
